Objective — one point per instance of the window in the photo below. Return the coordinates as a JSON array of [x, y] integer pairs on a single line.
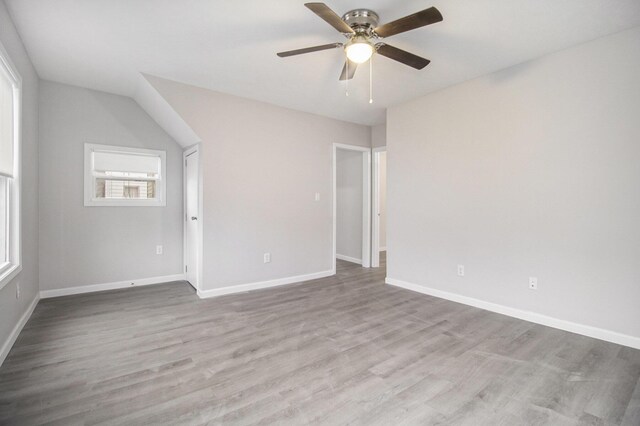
[[4, 233], [119, 176], [10, 92]]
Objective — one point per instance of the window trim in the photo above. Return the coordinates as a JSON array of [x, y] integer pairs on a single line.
[[10, 270], [89, 178]]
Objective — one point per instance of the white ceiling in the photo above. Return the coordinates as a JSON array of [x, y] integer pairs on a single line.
[[230, 46]]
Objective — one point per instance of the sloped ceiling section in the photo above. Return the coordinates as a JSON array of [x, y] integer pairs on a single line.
[[174, 104], [148, 97]]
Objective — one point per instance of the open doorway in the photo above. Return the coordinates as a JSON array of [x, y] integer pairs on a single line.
[[379, 226], [352, 204]]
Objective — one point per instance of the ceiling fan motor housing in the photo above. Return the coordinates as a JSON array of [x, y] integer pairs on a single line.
[[361, 20]]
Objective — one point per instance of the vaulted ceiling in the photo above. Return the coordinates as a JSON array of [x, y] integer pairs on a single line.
[[230, 46]]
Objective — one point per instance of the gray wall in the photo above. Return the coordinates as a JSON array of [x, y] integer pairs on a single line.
[[82, 245], [11, 309], [349, 203], [262, 166], [378, 135], [531, 171]]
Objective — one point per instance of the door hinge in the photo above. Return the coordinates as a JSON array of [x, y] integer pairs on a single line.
[[186, 268]]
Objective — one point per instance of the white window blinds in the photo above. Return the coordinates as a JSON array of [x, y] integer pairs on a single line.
[[125, 162], [6, 124]]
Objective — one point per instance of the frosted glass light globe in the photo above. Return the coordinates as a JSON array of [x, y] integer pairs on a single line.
[[359, 51]]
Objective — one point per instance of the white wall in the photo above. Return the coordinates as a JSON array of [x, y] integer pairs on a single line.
[[262, 166], [81, 245], [382, 167], [349, 204], [531, 171], [12, 309]]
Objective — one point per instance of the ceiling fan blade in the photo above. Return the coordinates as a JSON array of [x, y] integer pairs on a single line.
[[403, 56], [309, 50], [352, 70], [323, 11], [411, 22]]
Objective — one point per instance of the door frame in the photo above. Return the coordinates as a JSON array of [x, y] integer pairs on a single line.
[[366, 201], [375, 210], [199, 247]]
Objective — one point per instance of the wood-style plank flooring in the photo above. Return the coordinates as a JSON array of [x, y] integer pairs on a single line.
[[341, 350]]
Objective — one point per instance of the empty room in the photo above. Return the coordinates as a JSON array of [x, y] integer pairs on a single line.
[[376, 212]]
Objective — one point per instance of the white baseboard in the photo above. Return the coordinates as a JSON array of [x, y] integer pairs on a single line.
[[8, 344], [585, 330], [243, 288], [349, 259], [45, 294]]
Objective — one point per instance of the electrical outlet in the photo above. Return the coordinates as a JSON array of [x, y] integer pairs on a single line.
[[461, 270], [317, 196], [158, 249], [533, 283], [267, 257], [18, 291]]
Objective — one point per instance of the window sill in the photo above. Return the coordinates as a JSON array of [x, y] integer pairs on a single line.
[[8, 271]]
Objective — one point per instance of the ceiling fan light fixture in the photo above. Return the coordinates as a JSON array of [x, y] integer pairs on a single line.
[[361, 28], [359, 49]]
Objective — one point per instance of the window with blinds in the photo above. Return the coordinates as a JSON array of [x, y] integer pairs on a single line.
[[4, 216], [10, 88], [119, 176]]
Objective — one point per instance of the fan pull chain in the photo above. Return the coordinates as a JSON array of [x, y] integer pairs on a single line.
[[371, 79]]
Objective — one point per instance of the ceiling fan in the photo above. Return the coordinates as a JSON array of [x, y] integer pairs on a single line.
[[360, 26]]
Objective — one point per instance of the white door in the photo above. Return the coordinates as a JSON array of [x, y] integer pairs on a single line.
[[191, 217]]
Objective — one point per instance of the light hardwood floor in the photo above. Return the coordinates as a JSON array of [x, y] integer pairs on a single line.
[[344, 349]]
